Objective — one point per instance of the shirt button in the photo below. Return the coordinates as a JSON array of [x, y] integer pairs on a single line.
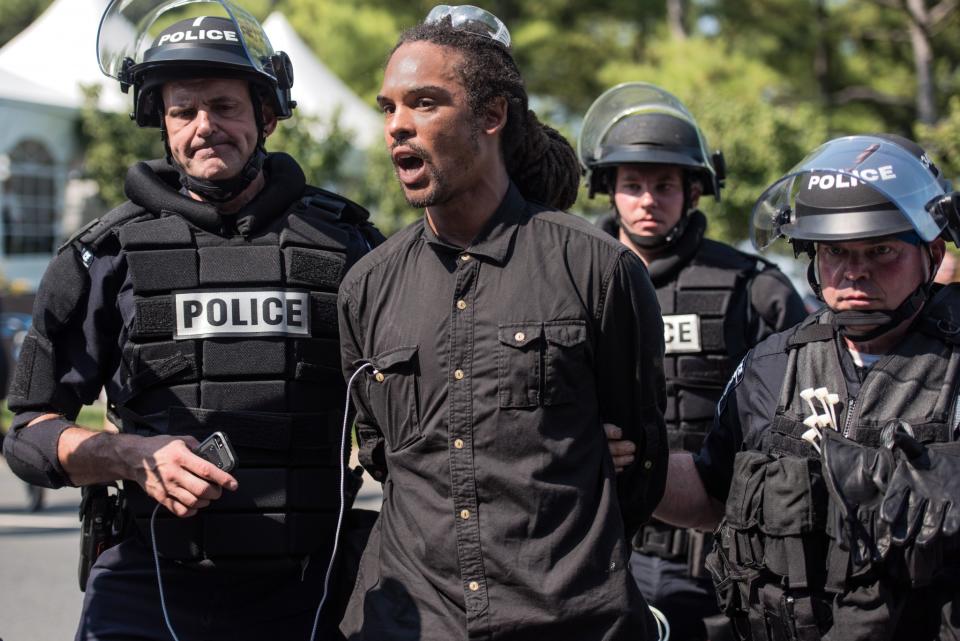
[[379, 377], [458, 443], [464, 514], [519, 337], [458, 374], [461, 304], [474, 586], [647, 465], [465, 257]]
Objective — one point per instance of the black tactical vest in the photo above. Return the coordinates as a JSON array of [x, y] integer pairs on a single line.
[[239, 333], [916, 383], [703, 290], [705, 322], [777, 571]]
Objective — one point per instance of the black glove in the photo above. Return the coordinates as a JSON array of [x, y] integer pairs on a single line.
[[856, 478], [922, 501]]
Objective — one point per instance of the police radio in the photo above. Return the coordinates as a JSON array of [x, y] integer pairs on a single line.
[[216, 448]]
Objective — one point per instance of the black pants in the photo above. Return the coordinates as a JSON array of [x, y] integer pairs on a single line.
[[122, 602], [684, 600]]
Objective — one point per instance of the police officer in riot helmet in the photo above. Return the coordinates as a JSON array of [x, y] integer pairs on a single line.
[[205, 303], [641, 146], [834, 454]]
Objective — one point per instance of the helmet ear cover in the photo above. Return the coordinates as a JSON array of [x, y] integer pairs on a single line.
[[803, 247], [947, 209]]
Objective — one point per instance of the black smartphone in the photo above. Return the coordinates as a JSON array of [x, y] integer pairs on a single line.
[[216, 449]]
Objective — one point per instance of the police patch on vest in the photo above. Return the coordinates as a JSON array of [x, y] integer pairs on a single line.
[[681, 333], [242, 313]]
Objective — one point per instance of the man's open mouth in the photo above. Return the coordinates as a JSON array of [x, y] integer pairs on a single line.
[[410, 167]]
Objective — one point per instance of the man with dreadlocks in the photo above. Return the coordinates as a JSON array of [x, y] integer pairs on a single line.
[[642, 146], [491, 341]]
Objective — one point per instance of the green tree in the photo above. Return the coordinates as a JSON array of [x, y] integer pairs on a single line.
[[16, 15], [112, 144], [352, 39], [739, 104], [379, 191], [942, 140], [321, 147]]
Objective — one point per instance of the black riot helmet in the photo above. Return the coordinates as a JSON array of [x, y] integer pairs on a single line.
[[639, 123], [145, 43], [855, 188]]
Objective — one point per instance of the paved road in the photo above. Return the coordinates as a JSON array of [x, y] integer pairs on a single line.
[[39, 597]]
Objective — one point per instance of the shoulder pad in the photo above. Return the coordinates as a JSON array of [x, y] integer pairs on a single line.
[[89, 237], [334, 207], [727, 257], [941, 318]]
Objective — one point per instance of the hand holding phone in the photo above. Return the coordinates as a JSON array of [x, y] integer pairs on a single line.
[[216, 449]]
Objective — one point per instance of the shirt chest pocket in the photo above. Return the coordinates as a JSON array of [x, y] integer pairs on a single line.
[[541, 363], [394, 395]]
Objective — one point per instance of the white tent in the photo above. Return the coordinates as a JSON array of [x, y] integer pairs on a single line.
[[58, 52], [41, 73], [317, 90]]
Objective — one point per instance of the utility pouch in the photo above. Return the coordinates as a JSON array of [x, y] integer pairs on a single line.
[[101, 525]]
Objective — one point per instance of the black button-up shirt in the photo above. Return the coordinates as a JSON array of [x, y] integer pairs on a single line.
[[491, 370]]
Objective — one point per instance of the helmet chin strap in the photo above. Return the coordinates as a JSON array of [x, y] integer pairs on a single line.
[[882, 320], [221, 191], [225, 190], [659, 241]]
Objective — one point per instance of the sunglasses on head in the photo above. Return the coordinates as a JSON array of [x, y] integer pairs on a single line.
[[471, 19]]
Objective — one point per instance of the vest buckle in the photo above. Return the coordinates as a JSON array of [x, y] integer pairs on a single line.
[[947, 327]]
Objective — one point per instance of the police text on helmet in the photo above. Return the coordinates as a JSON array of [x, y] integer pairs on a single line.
[[201, 34], [843, 181]]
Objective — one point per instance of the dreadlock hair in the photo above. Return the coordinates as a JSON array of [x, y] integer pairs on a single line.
[[538, 158]]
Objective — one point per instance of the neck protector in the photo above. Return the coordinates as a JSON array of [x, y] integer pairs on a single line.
[[155, 187], [664, 267], [659, 242]]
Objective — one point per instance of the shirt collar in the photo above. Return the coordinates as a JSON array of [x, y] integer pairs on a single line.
[[495, 238]]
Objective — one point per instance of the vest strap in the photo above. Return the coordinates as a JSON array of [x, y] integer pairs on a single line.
[[811, 334]]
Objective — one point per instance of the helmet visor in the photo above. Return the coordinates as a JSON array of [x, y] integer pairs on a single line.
[[129, 28], [624, 101], [897, 176]]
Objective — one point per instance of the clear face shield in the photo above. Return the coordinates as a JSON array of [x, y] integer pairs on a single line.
[[898, 177], [624, 101], [128, 29]]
